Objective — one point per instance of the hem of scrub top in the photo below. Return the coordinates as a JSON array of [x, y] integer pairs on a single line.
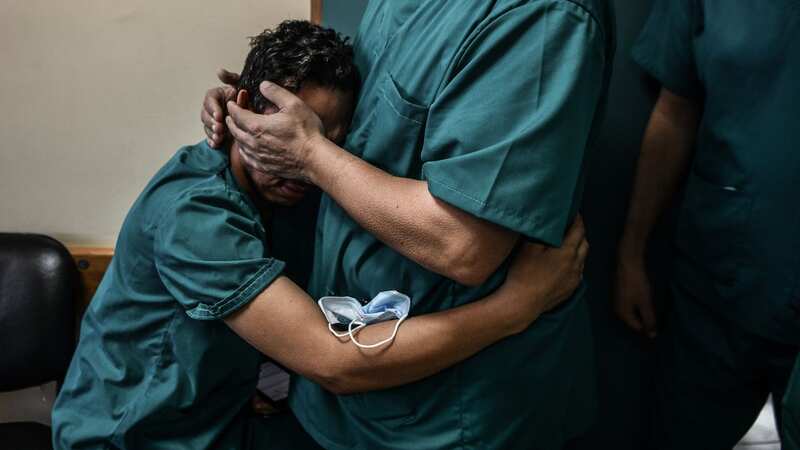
[[242, 295], [513, 219], [652, 70], [319, 437]]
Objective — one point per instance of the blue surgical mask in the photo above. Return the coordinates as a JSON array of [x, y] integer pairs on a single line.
[[347, 311]]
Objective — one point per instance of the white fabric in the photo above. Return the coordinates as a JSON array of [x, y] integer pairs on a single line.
[[763, 435]]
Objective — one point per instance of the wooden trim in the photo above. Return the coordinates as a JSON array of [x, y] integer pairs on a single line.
[[92, 265], [316, 11]]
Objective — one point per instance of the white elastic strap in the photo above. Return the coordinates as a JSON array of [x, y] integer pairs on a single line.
[[345, 333], [350, 331]]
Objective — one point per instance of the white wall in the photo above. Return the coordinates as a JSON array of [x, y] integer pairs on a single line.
[[96, 94]]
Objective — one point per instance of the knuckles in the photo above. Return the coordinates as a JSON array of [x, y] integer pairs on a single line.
[[255, 128]]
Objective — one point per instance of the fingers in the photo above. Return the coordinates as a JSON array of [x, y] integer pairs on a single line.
[[227, 77], [648, 317], [245, 120], [279, 96], [626, 311], [214, 130], [244, 138], [212, 104], [640, 316], [576, 233], [637, 312], [631, 319], [211, 116], [530, 250], [212, 142], [633, 298], [208, 121], [582, 252], [249, 160]]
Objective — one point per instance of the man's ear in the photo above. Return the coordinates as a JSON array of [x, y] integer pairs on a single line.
[[243, 99]]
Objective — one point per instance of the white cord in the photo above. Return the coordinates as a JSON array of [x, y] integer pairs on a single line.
[[344, 333], [350, 331]]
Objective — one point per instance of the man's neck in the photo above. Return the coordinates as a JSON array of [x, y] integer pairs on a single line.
[[246, 183]]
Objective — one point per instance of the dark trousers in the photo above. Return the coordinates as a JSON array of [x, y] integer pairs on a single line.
[[280, 431], [714, 377]]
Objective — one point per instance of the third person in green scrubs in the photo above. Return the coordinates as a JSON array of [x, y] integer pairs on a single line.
[[725, 128], [469, 136]]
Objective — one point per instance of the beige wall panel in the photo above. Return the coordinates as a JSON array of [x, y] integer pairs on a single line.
[[96, 94]]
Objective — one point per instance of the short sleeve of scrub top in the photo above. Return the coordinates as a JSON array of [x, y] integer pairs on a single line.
[[506, 136], [210, 253], [665, 47]]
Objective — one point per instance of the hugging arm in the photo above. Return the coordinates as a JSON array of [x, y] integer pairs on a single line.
[[285, 324], [404, 214]]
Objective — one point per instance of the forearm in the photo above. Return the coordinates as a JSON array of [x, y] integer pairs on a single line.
[[393, 209], [286, 325], [424, 345], [665, 157], [403, 214]]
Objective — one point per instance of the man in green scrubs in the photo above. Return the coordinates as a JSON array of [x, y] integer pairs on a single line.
[[469, 136], [171, 344], [726, 121]]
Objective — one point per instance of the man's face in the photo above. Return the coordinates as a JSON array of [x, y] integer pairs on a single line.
[[334, 109]]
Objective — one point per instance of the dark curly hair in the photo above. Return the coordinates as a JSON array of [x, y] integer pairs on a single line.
[[294, 52]]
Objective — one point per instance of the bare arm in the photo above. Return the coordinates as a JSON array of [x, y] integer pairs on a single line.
[[285, 324], [664, 160], [402, 213], [665, 157]]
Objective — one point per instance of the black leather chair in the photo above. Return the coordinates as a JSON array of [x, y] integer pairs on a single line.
[[38, 285]]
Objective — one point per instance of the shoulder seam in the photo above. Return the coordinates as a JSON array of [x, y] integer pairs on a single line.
[[486, 22], [591, 14], [573, 2], [230, 193]]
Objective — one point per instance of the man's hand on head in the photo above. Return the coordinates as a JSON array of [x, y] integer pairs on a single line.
[[213, 112], [281, 143]]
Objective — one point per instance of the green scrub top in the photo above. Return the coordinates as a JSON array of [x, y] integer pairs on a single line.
[[155, 367], [493, 104], [738, 237]]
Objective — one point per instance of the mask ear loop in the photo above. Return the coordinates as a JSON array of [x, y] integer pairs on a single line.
[[350, 331], [346, 333]]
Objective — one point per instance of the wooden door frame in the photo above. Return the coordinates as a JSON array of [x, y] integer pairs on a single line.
[[316, 11]]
